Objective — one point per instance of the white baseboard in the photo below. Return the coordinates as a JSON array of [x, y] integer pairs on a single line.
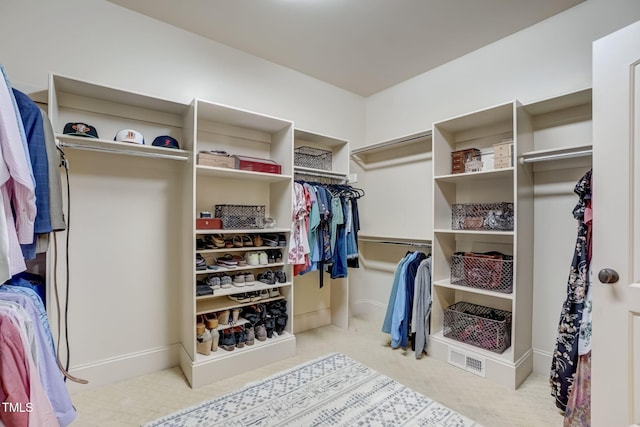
[[109, 371], [315, 319], [541, 361], [369, 310]]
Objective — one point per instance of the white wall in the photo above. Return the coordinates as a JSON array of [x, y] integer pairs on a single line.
[[546, 60], [123, 315]]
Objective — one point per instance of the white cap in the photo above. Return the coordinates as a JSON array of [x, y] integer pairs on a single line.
[[129, 135]]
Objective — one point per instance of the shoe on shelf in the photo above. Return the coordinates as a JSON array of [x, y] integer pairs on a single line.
[[237, 241], [240, 336], [211, 320], [200, 326], [215, 337], [238, 280], [251, 333], [281, 323], [246, 240], [270, 240], [274, 292], [267, 278], [263, 258], [204, 343], [252, 258], [235, 315], [281, 276], [254, 296], [282, 241], [249, 279], [223, 317], [241, 298], [213, 281], [226, 282], [201, 263], [278, 256], [227, 340], [218, 240], [271, 257], [227, 261], [260, 332], [228, 243], [257, 240], [240, 260], [270, 325], [200, 244], [264, 294]]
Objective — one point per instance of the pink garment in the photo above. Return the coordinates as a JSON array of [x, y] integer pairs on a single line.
[[299, 240], [578, 412], [16, 182], [19, 376]]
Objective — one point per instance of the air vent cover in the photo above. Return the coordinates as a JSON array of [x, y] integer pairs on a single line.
[[467, 361]]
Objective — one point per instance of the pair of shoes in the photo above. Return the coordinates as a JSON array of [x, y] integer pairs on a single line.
[[274, 256], [268, 277], [281, 276], [227, 261], [274, 292]]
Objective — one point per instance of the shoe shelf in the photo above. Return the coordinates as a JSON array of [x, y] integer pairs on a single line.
[[221, 269], [219, 304], [245, 231], [241, 289], [258, 345], [242, 249]]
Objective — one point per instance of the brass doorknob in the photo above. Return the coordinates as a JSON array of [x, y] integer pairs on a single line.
[[608, 275]]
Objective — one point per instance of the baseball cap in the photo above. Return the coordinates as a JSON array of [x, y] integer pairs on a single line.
[[129, 135], [80, 129], [165, 141]]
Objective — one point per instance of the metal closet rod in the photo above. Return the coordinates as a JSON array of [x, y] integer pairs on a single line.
[[558, 156], [128, 153], [396, 242]]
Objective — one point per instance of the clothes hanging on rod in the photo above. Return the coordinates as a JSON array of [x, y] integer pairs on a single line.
[[571, 326], [324, 228], [32, 385], [407, 314]]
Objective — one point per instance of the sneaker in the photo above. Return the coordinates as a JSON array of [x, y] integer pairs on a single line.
[[263, 259], [251, 333], [278, 256], [252, 258], [264, 294], [281, 276], [267, 277], [261, 332], [254, 296], [271, 257], [226, 282], [238, 280], [274, 292], [249, 279], [213, 282], [227, 340]]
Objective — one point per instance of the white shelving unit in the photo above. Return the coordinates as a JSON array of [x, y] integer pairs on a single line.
[[514, 185], [238, 132]]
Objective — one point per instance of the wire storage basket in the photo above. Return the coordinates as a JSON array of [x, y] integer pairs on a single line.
[[496, 216], [240, 216], [477, 325], [311, 157], [490, 270]]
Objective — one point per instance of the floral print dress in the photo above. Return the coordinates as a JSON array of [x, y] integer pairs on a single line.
[[565, 356]]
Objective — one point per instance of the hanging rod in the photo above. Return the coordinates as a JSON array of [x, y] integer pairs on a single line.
[[546, 155], [386, 144], [129, 153], [395, 242]]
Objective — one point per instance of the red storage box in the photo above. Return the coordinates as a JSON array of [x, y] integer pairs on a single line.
[[208, 223], [255, 164]]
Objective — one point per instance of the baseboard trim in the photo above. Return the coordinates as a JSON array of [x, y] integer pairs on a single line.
[[542, 361], [120, 368], [312, 320]]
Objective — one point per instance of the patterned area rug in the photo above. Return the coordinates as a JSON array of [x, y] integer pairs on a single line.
[[333, 390]]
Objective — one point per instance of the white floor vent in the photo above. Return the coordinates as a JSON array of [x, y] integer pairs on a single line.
[[467, 361]]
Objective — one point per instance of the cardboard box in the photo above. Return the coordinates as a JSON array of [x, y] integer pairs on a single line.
[[207, 158]]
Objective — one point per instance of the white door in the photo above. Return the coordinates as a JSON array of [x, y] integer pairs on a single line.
[[615, 392]]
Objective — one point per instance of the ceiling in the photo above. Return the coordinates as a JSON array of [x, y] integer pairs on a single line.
[[363, 46]]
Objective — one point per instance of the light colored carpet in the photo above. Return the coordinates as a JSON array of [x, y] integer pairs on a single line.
[[146, 398]]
